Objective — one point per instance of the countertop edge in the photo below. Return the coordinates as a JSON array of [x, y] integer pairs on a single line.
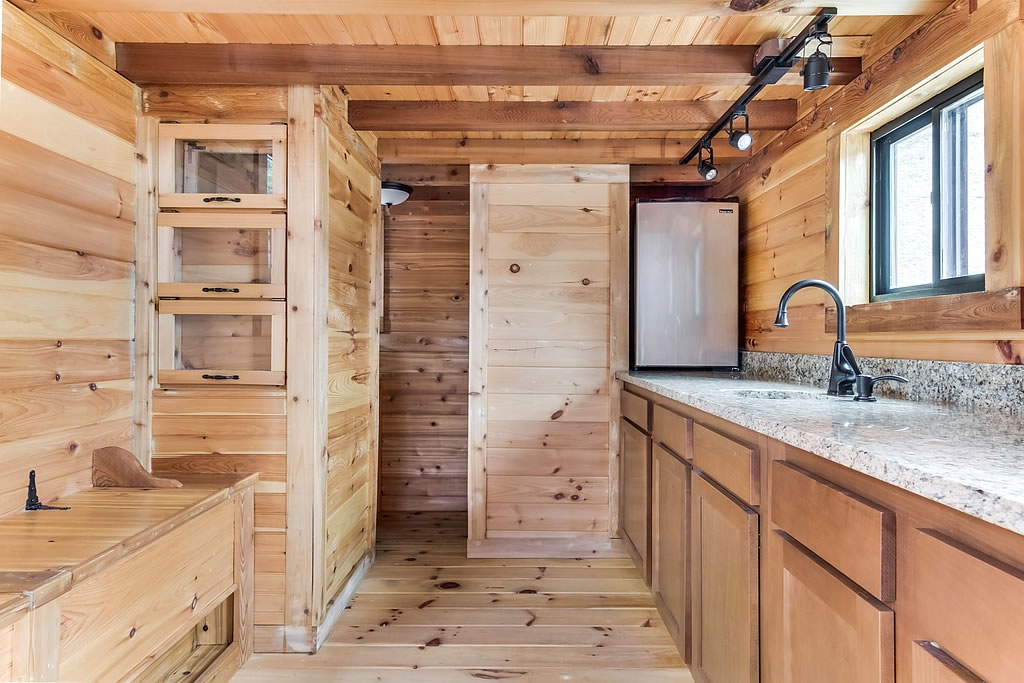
[[971, 500]]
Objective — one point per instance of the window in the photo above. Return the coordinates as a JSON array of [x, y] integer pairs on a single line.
[[928, 197]]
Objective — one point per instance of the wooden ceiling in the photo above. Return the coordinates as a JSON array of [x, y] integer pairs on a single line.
[[99, 25]]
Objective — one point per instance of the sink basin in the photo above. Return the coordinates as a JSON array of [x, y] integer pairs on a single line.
[[779, 394]]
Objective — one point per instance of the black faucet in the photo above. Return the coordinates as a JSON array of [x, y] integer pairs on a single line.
[[843, 373]]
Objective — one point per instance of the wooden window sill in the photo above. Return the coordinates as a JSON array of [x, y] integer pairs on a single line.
[[997, 310]]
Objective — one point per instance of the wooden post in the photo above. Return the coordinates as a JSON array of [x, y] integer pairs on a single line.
[[144, 351], [478, 227], [306, 351], [244, 614], [1004, 158], [36, 641], [618, 333]]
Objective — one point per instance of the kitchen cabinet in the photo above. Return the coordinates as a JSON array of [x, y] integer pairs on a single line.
[[725, 586], [959, 611], [832, 630], [670, 552], [635, 513], [221, 342], [222, 166], [227, 255]]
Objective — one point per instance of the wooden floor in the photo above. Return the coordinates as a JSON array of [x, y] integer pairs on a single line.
[[427, 614]]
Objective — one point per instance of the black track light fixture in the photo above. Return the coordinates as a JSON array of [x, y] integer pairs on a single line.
[[706, 167], [740, 139], [818, 67]]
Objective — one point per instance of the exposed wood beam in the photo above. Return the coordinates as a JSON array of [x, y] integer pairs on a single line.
[[246, 64], [479, 151], [497, 7], [397, 115]]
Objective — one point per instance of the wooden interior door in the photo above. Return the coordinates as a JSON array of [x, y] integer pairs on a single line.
[[725, 586], [549, 270], [831, 628], [670, 552], [635, 482]]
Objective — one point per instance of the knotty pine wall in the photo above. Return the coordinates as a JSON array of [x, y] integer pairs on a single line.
[[790, 192], [353, 274], [549, 311], [424, 350], [67, 195]]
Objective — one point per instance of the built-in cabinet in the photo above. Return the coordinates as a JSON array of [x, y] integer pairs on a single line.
[[771, 564], [221, 234]]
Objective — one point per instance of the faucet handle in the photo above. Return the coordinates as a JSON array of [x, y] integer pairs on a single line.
[[864, 385]]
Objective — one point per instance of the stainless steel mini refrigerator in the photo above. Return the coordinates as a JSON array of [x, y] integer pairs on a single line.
[[686, 284]]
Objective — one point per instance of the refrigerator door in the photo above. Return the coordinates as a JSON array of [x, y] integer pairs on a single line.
[[686, 284]]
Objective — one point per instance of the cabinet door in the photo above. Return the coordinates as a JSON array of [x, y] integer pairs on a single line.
[[222, 166], [226, 255], [832, 630], [635, 482], [725, 591], [964, 605], [670, 551], [221, 342]]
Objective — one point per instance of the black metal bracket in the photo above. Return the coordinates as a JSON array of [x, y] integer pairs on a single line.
[[769, 71], [33, 502], [221, 377], [229, 290], [207, 200]]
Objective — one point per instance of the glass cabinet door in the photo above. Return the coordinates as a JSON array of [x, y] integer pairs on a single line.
[[221, 342], [225, 254], [222, 166]]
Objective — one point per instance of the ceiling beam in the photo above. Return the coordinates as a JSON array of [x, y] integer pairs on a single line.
[[486, 151], [494, 7], [394, 115], [247, 64]]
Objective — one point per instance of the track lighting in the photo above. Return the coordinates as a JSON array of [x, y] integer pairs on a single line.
[[740, 139], [818, 67], [706, 167]]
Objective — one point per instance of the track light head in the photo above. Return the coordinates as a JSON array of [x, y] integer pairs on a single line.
[[818, 67], [740, 139], [706, 167]]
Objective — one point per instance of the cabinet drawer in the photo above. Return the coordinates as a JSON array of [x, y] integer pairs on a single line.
[[223, 166], [672, 431], [226, 254], [221, 342], [732, 464], [113, 620], [963, 602], [635, 409], [852, 534], [829, 623]]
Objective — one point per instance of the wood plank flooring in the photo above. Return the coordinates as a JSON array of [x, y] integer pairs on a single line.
[[427, 614]]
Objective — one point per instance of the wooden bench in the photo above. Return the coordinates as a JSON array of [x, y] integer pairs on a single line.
[[130, 583]]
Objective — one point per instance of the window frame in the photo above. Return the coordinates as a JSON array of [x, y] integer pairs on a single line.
[[882, 139]]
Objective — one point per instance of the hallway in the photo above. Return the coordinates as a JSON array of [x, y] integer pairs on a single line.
[[425, 606]]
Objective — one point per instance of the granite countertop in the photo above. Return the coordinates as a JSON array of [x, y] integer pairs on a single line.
[[970, 460]]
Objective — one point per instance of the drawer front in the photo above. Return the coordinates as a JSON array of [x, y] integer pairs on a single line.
[[854, 535], [673, 431], [732, 464], [113, 620], [967, 604], [635, 409], [828, 623]]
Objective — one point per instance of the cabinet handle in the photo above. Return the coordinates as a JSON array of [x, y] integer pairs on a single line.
[[236, 200], [232, 290], [221, 377]]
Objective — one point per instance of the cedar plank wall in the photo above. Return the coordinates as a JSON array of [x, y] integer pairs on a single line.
[[67, 193], [786, 206], [424, 351], [353, 231]]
